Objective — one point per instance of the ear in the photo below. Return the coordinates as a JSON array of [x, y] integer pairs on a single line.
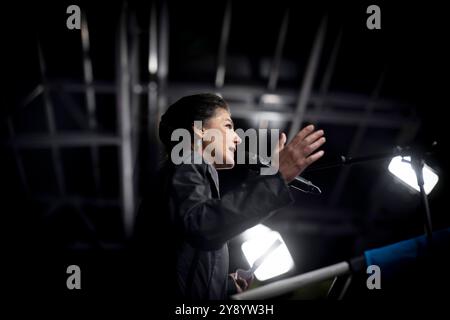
[[199, 131]]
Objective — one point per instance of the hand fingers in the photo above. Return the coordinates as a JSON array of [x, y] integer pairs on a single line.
[[314, 157], [313, 137], [314, 146], [299, 137], [242, 283]]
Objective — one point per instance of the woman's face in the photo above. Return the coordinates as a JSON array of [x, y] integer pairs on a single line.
[[220, 140]]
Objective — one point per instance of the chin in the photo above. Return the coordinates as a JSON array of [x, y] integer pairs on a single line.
[[224, 166], [228, 164]]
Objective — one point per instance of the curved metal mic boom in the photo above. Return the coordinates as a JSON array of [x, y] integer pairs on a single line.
[[298, 183]]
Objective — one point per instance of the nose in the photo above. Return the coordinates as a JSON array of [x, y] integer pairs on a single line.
[[237, 139]]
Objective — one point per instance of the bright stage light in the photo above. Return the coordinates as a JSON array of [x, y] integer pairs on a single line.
[[259, 239], [404, 171]]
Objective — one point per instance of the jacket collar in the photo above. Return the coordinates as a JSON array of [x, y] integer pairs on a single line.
[[196, 158]]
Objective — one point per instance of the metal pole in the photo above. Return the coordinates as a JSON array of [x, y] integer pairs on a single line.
[[325, 84], [221, 60], [90, 96], [308, 80], [417, 163], [153, 67], [286, 285], [275, 68], [31, 141], [123, 105]]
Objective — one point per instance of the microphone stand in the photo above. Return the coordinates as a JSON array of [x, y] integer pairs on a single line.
[[417, 163]]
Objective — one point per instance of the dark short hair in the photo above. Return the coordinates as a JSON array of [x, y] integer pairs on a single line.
[[183, 113]]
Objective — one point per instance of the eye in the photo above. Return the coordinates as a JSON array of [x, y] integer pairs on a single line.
[[229, 126]]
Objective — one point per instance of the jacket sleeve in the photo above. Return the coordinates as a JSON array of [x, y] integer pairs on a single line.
[[209, 223]]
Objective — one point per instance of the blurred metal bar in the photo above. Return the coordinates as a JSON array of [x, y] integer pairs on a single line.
[[72, 109], [153, 41], [32, 95], [88, 73], [67, 101], [152, 87], [135, 98], [163, 57], [98, 86], [283, 286], [222, 55], [153, 111], [305, 90], [56, 157], [275, 68], [163, 70], [157, 89], [48, 103], [356, 142], [31, 141], [342, 108], [325, 84], [245, 111], [249, 93], [123, 105], [339, 287], [90, 95]]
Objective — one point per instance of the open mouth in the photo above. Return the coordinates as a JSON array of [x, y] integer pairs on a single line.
[[232, 149]]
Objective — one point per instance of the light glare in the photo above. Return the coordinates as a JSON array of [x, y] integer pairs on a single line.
[[260, 238], [404, 171]]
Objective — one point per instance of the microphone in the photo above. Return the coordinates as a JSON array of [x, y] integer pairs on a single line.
[[304, 185], [298, 183]]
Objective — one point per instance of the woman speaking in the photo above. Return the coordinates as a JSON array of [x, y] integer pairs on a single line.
[[198, 220]]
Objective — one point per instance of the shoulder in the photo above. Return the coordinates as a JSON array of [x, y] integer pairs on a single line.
[[192, 163], [185, 173]]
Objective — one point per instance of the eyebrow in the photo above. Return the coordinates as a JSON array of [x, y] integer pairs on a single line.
[[229, 119]]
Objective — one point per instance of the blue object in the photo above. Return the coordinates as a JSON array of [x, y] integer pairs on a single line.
[[399, 256]]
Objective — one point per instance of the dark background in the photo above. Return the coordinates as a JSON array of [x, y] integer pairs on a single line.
[[63, 186]]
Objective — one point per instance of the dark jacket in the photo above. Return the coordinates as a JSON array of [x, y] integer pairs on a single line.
[[199, 222]]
